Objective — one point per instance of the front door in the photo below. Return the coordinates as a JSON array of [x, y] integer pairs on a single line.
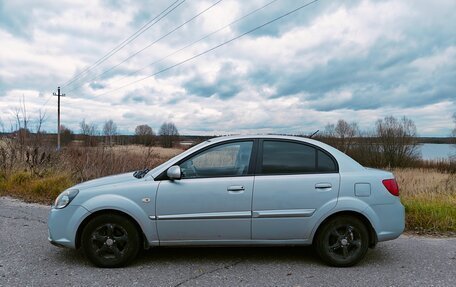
[[212, 201]]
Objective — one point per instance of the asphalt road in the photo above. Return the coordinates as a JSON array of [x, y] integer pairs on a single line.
[[27, 259]]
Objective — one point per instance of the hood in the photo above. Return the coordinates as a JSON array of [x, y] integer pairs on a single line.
[[113, 179]]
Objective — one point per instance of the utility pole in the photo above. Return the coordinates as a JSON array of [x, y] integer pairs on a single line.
[[58, 94]]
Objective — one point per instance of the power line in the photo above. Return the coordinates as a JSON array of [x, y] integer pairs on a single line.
[[211, 49], [149, 45], [45, 103], [126, 41], [194, 42], [131, 38]]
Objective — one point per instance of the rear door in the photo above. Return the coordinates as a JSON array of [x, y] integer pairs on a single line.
[[293, 180]]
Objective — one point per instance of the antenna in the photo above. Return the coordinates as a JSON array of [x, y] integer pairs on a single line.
[[313, 134]]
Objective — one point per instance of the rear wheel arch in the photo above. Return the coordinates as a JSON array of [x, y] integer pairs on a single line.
[[372, 234], [109, 211]]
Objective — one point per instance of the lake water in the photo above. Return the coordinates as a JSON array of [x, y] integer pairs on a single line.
[[431, 151]]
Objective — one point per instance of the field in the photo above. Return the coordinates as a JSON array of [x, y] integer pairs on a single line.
[[429, 195]]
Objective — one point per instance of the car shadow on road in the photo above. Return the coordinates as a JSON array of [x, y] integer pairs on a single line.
[[220, 255], [258, 255], [184, 255]]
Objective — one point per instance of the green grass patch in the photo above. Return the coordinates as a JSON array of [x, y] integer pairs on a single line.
[[431, 216], [34, 189]]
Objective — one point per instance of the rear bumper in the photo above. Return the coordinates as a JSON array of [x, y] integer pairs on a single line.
[[390, 223]]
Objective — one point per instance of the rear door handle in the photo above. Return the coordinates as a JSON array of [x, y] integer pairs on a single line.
[[235, 188], [323, 186]]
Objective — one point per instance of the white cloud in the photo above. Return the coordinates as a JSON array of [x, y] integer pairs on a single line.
[[294, 79]]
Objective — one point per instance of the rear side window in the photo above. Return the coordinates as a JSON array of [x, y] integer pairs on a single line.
[[280, 157], [325, 163]]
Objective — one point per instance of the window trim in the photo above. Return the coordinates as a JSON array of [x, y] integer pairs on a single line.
[[250, 170], [259, 161]]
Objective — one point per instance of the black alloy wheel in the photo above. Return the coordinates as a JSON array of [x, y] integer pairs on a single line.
[[110, 240], [343, 241]]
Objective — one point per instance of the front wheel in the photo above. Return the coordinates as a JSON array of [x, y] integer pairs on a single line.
[[110, 240], [342, 241]]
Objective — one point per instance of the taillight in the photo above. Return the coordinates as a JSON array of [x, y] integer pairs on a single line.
[[391, 186]]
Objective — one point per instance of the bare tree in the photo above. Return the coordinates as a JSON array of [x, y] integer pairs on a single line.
[[2, 126], [144, 135], [169, 134], [346, 133], [453, 133], [89, 131], [109, 131], [397, 141], [454, 130], [329, 131], [21, 130], [341, 135], [329, 135], [39, 124]]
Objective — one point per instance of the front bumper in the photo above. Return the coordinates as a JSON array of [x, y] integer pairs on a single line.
[[63, 225]]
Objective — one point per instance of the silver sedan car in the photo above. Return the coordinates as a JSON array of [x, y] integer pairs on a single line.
[[241, 190]]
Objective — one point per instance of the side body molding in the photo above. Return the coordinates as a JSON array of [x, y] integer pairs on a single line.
[[283, 213], [208, 215]]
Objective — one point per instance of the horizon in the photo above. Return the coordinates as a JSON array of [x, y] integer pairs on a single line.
[[100, 134]]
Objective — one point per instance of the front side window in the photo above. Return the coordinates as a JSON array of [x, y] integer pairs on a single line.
[[280, 157], [230, 159]]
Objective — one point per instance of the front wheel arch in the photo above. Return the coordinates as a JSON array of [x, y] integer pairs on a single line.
[[371, 231], [108, 211]]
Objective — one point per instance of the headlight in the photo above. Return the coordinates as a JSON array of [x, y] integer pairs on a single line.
[[65, 198]]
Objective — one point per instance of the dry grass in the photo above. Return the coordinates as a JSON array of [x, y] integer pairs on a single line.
[[162, 153], [429, 197], [74, 165], [92, 162]]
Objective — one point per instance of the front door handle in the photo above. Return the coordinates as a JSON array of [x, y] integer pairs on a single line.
[[235, 188], [323, 186]]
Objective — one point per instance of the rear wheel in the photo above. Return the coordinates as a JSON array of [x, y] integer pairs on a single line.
[[342, 241], [110, 240]]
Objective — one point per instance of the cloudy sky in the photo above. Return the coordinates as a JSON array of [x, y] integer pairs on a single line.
[[353, 60]]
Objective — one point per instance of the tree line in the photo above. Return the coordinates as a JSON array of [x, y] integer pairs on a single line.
[[391, 143], [167, 137]]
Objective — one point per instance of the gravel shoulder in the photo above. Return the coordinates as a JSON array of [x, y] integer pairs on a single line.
[[27, 259]]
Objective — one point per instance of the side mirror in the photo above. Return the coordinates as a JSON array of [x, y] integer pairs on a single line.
[[174, 172]]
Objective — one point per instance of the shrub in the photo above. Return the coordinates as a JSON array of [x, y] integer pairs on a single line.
[[20, 178], [50, 187], [35, 189]]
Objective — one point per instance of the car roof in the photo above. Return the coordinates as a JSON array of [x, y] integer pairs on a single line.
[[324, 146], [260, 136]]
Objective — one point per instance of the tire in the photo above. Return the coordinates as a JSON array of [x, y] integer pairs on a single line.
[[342, 241], [110, 240]]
